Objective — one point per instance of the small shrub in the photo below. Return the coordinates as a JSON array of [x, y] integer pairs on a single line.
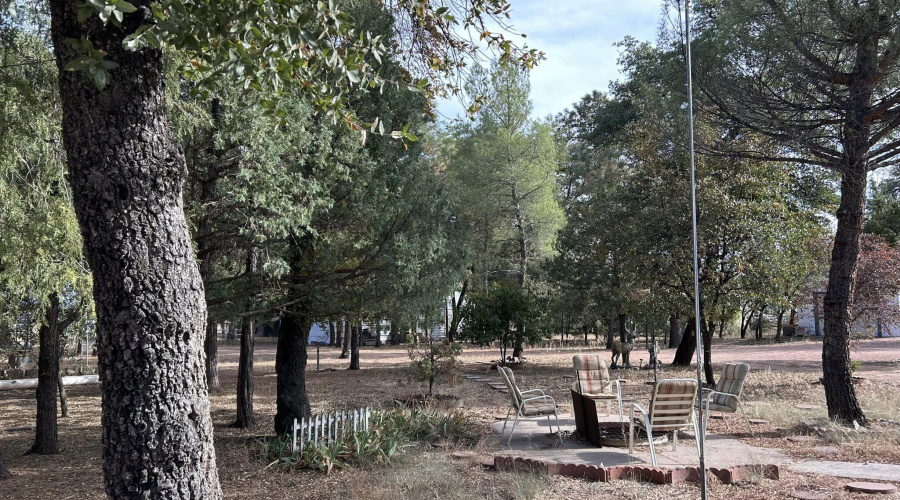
[[390, 433]]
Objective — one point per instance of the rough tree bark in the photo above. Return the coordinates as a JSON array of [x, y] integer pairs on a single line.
[[840, 395], [377, 333], [674, 331], [126, 175], [291, 400], [46, 439], [684, 355], [332, 336], [245, 417], [355, 333]]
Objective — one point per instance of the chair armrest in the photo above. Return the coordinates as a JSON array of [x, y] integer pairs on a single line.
[[619, 387], [636, 406], [542, 398]]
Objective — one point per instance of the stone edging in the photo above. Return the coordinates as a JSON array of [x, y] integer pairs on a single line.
[[635, 472]]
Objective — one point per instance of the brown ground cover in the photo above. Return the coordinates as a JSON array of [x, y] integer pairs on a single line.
[[783, 376]]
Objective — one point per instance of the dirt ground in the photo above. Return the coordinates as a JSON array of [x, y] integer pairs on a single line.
[[782, 376]]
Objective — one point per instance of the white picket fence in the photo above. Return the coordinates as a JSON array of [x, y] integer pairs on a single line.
[[329, 427]]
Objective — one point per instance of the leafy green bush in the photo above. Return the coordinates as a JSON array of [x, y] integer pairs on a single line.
[[435, 359]]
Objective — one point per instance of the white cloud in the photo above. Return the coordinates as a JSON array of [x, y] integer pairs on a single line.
[[578, 37]]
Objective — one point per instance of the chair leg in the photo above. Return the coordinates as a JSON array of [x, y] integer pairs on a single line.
[[608, 407], [506, 420], [675, 440], [725, 418], [649, 430], [621, 410], [631, 437], [549, 423], [513, 430], [556, 416], [746, 419], [652, 448]]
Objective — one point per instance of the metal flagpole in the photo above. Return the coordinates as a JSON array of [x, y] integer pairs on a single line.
[[701, 434]]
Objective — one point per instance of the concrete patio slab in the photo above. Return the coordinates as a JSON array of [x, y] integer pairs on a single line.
[[532, 439], [875, 471]]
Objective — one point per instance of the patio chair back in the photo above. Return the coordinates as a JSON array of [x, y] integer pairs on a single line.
[[591, 374], [731, 384], [672, 404], [509, 378]]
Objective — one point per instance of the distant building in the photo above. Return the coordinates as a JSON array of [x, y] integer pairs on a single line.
[[811, 321]]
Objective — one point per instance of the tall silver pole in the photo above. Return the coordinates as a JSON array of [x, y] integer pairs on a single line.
[[701, 435]]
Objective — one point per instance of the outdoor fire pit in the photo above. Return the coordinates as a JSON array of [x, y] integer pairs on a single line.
[[616, 435]]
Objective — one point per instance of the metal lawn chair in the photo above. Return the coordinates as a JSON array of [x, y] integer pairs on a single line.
[[592, 381], [726, 397], [533, 406], [671, 409]]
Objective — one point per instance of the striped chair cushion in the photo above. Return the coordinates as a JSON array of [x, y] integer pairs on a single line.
[[731, 382], [672, 404], [591, 375]]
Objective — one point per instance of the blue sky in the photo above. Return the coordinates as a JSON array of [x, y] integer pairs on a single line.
[[578, 37]]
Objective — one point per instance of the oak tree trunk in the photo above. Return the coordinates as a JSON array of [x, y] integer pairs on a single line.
[[291, 400], [779, 326], [684, 355], [707, 329], [126, 175], [674, 331], [332, 335]]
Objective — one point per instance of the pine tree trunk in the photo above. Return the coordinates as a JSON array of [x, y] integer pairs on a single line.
[[126, 175], [684, 355], [339, 333], [46, 438], [840, 394], [291, 400], [332, 335], [355, 334], [674, 331], [345, 344], [245, 416], [63, 399], [211, 346], [377, 333]]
